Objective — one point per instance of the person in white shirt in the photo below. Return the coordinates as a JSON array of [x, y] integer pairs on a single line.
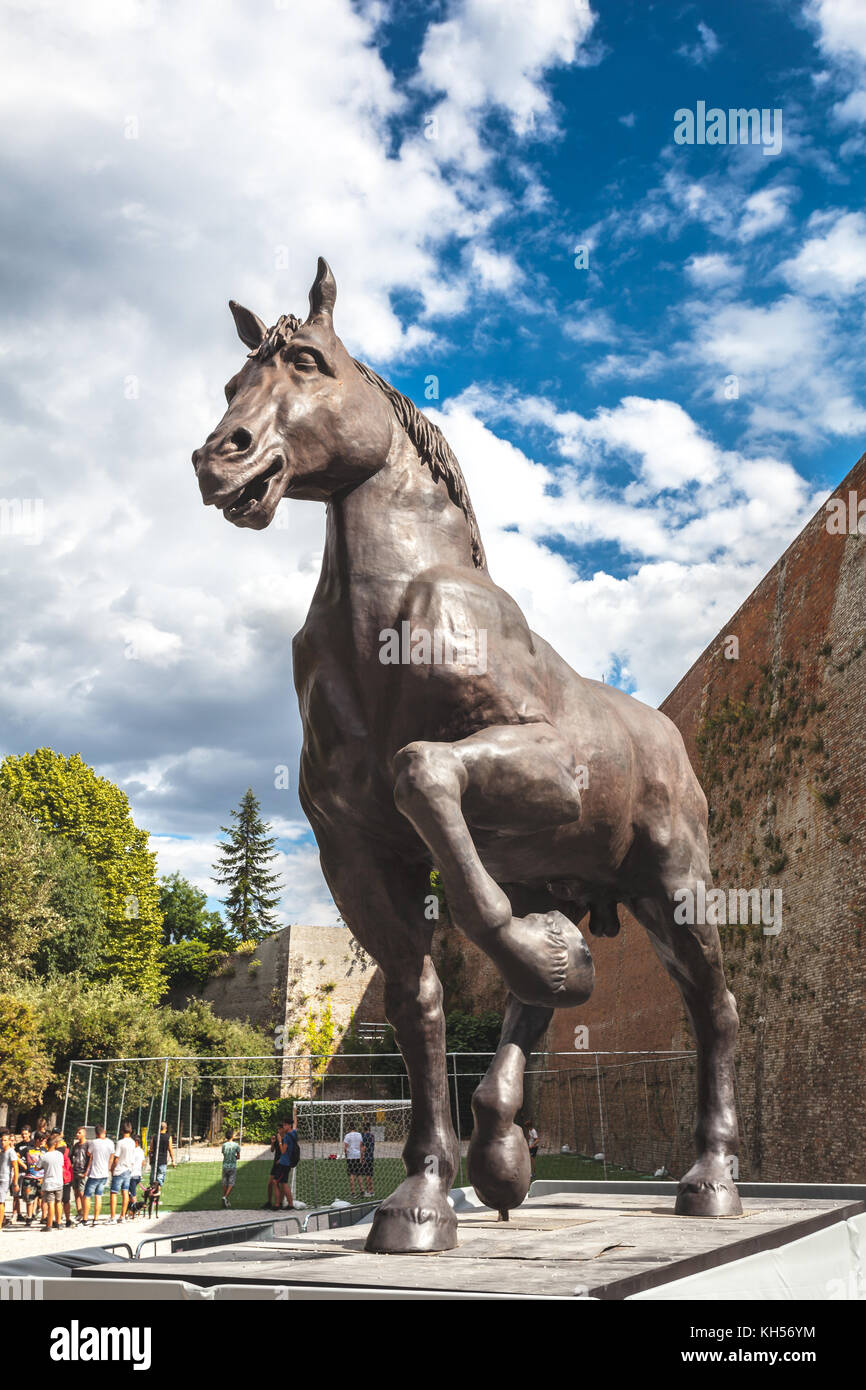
[[52, 1183], [138, 1157], [121, 1172], [101, 1152], [352, 1145]]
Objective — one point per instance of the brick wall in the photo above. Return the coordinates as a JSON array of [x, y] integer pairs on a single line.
[[778, 738]]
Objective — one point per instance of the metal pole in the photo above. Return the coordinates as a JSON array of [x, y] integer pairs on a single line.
[[179, 1094], [87, 1106], [313, 1144], [649, 1142], [559, 1108], [243, 1098], [162, 1105], [189, 1141], [601, 1116], [120, 1111], [66, 1098], [676, 1114], [589, 1134], [105, 1116], [457, 1115]]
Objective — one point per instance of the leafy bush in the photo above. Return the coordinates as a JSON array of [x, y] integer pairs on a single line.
[[190, 963], [261, 1117]]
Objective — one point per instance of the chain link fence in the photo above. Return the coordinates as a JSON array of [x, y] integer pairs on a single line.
[[597, 1115]]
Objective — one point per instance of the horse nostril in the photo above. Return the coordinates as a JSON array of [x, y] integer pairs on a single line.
[[241, 439]]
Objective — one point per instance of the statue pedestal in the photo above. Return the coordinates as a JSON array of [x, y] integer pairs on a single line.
[[614, 1242]]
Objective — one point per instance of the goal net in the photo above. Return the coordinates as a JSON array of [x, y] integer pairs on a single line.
[[357, 1144]]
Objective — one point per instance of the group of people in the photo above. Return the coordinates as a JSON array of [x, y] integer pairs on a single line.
[[43, 1176]]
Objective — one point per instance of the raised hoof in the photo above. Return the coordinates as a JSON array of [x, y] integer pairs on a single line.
[[499, 1169], [708, 1190], [414, 1220], [544, 960]]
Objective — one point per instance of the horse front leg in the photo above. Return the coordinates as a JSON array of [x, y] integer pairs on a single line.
[[504, 779], [383, 902], [498, 1160]]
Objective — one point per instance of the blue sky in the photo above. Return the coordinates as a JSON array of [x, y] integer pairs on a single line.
[[642, 438]]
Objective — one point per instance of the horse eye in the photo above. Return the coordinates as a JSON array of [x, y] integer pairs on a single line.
[[230, 391], [305, 360]]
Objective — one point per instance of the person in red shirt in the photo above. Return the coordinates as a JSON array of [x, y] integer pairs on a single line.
[[67, 1179]]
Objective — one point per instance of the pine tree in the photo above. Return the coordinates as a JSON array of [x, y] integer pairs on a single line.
[[253, 890]]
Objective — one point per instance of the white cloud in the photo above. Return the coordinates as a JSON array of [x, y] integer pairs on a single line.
[[705, 47], [842, 26], [790, 377], [705, 523], [592, 326], [833, 262], [495, 54], [713, 269], [494, 270], [852, 111], [765, 211]]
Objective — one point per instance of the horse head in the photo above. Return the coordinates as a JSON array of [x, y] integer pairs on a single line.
[[303, 420]]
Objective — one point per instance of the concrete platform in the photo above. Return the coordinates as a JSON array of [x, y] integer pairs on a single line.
[[572, 1244]]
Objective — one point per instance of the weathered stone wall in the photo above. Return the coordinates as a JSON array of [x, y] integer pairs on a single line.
[[295, 970], [778, 738]]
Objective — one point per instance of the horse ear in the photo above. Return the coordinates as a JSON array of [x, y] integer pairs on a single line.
[[250, 328], [323, 294]]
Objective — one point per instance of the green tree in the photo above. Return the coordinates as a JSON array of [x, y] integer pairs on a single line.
[[82, 943], [27, 918], [25, 1067], [81, 1019], [242, 867], [66, 798], [199, 1032], [185, 916]]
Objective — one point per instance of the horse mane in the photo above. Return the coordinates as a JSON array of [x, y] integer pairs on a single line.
[[430, 444], [433, 450]]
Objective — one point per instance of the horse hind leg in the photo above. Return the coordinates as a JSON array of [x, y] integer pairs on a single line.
[[691, 954], [498, 1159], [501, 777]]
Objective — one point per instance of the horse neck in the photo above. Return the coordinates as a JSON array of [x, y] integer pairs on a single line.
[[385, 532]]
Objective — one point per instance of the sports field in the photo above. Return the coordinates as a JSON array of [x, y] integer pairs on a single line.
[[195, 1186]]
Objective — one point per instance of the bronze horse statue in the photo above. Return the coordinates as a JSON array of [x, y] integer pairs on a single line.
[[538, 795]]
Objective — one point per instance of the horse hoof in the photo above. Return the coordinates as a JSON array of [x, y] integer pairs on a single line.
[[414, 1220], [709, 1190], [544, 960], [499, 1167]]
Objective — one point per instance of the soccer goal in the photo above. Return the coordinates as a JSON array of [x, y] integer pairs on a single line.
[[357, 1145]]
